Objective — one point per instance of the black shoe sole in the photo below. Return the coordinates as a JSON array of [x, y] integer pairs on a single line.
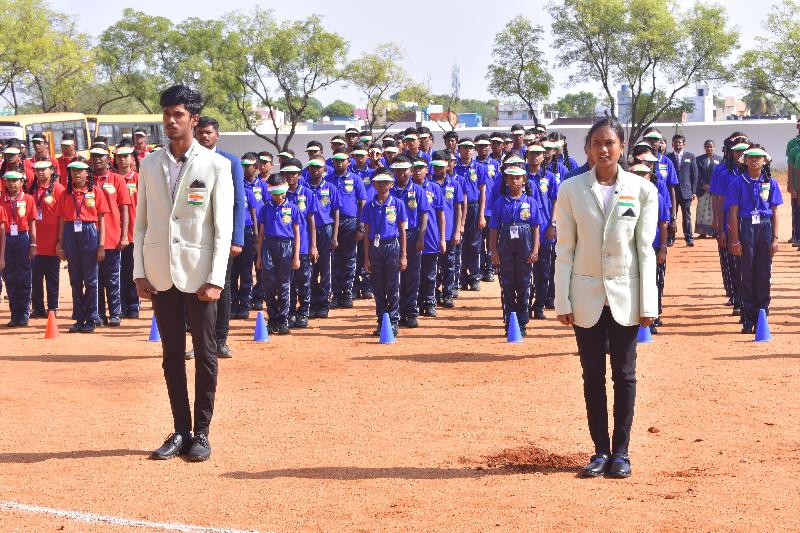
[[198, 459]]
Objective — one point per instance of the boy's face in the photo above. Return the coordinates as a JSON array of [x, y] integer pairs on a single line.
[[316, 170], [264, 167], [250, 171], [99, 164], [534, 158], [125, 160], [340, 165], [401, 175], [360, 160], [419, 173], [483, 150], [13, 186], [278, 198], [382, 187], [465, 152], [43, 174], [291, 178], [439, 172]]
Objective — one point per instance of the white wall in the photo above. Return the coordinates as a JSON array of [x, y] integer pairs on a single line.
[[773, 134]]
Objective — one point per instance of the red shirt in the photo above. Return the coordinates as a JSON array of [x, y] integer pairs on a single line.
[[91, 204], [47, 224], [142, 154], [63, 171], [116, 191], [28, 164], [132, 181], [20, 210]]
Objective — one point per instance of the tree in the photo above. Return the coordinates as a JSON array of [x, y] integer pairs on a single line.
[[582, 104], [374, 75], [517, 70], [417, 94], [648, 45], [760, 103], [291, 60], [773, 68], [338, 108]]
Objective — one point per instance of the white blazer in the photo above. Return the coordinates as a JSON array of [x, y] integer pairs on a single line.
[[603, 256], [185, 243]]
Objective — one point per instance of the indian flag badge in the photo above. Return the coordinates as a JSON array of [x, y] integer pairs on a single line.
[[109, 188], [543, 184], [132, 188], [348, 185], [449, 192], [391, 214], [627, 201], [196, 198], [473, 174], [525, 211], [49, 199], [765, 191]]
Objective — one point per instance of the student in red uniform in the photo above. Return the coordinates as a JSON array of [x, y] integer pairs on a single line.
[[126, 164], [140, 143], [68, 153], [116, 235], [20, 212], [46, 191], [14, 160], [81, 233]]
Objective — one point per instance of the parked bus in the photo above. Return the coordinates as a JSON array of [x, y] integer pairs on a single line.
[[115, 127], [51, 125]]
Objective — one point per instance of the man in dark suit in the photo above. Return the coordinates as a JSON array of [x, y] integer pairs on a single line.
[[686, 168], [706, 163]]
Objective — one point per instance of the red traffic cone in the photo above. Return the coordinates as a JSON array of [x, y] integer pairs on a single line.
[[51, 332]]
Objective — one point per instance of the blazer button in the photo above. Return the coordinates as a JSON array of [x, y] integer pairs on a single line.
[[176, 241], [174, 218]]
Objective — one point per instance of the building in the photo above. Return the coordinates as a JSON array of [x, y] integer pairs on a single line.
[[518, 113], [703, 102]]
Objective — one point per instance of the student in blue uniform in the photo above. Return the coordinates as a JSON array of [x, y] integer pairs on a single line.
[[337, 143], [544, 188], [458, 247], [384, 219], [551, 159], [563, 152], [473, 180], [360, 166], [20, 212], [305, 200], [326, 221], [81, 237], [260, 192], [434, 237], [492, 170], [453, 204], [425, 141], [665, 170], [753, 200], [416, 205], [279, 250], [351, 199], [314, 148], [660, 242], [514, 241], [242, 264], [451, 141]]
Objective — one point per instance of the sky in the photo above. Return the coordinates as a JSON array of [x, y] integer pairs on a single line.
[[442, 34]]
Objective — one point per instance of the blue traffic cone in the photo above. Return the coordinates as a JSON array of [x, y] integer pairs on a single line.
[[514, 334], [387, 335], [155, 336], [261, 334], [644, 335], [762, 328]]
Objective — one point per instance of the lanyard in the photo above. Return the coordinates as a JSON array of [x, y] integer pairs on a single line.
[[39, 197], [13, 204], [514, 204], [78, 206]]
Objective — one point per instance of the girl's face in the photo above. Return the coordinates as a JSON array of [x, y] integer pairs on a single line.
[[514, 183], [79, 177], [382, 187], [13, 186], [606, 147], [534, 158], [755, 163], [124, 161]]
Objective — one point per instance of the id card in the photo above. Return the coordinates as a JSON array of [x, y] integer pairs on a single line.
[[39, 215], [755, 218], [77, 226], [14, 230], [377, 240], [514, 232]]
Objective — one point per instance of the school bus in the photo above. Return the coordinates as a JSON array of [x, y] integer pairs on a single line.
[[51, 125], [115, 127]]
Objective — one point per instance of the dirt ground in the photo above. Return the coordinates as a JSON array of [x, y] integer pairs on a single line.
[[449, 429]]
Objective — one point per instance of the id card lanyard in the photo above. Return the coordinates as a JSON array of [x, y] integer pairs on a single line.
[[14, 228], [77, 225], [515, 205]]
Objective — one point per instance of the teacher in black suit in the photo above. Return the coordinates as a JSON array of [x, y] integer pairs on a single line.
[[686, 167]]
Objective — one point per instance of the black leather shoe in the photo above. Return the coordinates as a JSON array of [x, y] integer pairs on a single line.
[[200, 449], [538, 314], [88, 327], [76, 327], [412, 322], [475, 286], [283, 328], [737, 311], [619, 466], [176, 444], [748, 328], [223, 351], [598, 465], [690, 244], [300, 322], [346, 303], [430, 311], [132, 314], [114, 321], [12, 323], [334, 303], [366, 295], [658, 323], [550, 304], [448, 302]]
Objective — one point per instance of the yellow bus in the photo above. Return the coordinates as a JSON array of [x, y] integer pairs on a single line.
[[115, 127], [51, 125]]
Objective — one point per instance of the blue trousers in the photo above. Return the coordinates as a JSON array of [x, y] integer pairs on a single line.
[[344, 259], [543, 274], [109, 286], [427, 280], [446, 275], [300, 295], [457, 256], [277, 259], [471, 246], [17, 275], [486, 261], [80, 250], [45, 272], [515, 272], [756, 266], [321, 271], [661, 273], [242, 274], [362, 276], [385, 278], [723, 267], [130, 300], [734, 263], [409, 278]]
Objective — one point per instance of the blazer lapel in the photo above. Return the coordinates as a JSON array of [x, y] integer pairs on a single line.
[[184, 170], [594, 187]]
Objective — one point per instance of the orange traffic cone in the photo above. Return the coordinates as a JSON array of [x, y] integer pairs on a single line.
[[52, 327]]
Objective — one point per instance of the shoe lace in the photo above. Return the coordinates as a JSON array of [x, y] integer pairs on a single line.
[[201, 439]]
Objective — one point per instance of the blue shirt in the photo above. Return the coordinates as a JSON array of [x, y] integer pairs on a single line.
[[572, 164], [422, 155], [306, 174], [327, 201], [250, 203], [452, 194], [663, 190], [559, 171], [510, 211], [435, 198], [577, 172], [260, 192], [306, 203], [365, 174], [237, 172], [415, 201], [492, 168], [720, 182], [663, 211], [665, 170], [545, 189], [753, 195], [383, 219], [278, 220], [472, 177], [351, 191]]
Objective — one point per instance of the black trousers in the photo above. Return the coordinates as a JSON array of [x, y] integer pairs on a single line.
[[222, 326], [685, 207], [592, 350], [170, 308]]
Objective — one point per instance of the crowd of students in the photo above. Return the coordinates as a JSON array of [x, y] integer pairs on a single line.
[[391, 220]]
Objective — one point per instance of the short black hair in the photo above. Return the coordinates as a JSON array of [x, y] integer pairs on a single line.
[[207, 121], [678, 136], [424, 129], [402, 159], [68, 136], [481, 137], [380, 171], [101, 139], [252, 156], [451, 135], [294, 162], [314, 143], [181, 94], [265, 154], [709, 141], [359, 146], [440, 155], [276, 179]]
